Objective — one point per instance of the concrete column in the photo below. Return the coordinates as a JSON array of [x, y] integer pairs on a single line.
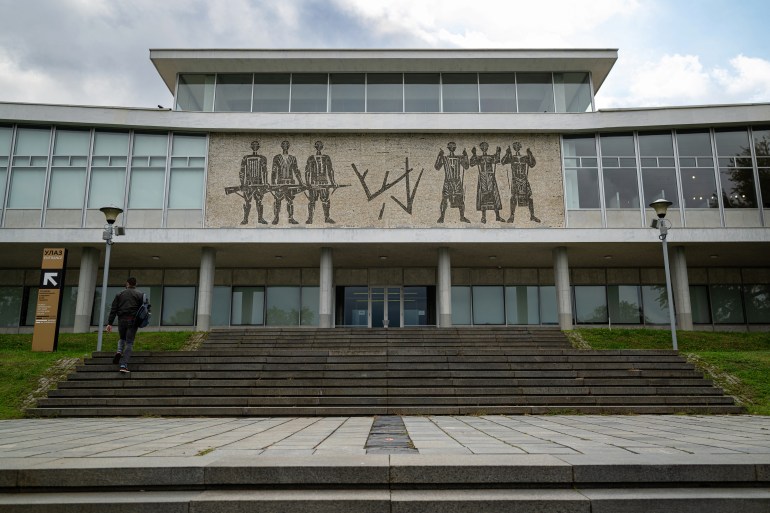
[[89, 268], [206, 288], [680, 285], [444, 288], [561, 280], [326, 290]]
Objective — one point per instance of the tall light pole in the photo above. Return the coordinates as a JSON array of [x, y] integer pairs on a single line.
[[661, 207], [111, 215]]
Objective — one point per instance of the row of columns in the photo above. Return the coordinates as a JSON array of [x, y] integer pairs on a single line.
[[89, 265]]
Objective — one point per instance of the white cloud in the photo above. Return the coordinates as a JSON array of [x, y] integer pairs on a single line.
[[749, 79]]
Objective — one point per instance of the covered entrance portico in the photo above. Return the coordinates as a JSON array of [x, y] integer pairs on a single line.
[[385, 306]]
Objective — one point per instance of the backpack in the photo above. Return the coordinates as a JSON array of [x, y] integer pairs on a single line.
[[142, 317]]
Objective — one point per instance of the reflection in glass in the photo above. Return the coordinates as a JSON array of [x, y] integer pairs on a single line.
[[548, 310], [271, 92], [590, 304], [347, 92], [621, 189], [573, 92], [308, 92], [10, 306], [248, 306], [384, 92], [460, 92], [488, 305], [535, 92], [623, 302], [461, 305], [220, 305], [581, 174], [699, 301], [421, 92], [521, 305], [310, 305], [726, 304], [195, 93], [757, 301], [283, 306], [660, 183], [233, 93], [498, 92], [699, 188], [178, 306], [355, 306], [655, 304], [416, 311]]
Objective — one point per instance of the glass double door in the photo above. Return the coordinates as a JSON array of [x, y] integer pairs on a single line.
[[383, 306]]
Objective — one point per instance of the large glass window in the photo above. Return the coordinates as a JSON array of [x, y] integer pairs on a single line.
[[522, 305], [355, 306], [188, 162], [488, 305], [310, 305], [757, 301], [590, 304], [347, 92], [421, 92], [548, 310], [461, 305], [308, 92], [384, 92], [497, 92], [460, 92], [762, 150], [68, 169], [736, 169], [220, 305], [697, 168], [283, 306], [148, 171], [111, 293], [195, 93], [6, 135], [621, 188], [248, 306], [655, 304], [417, 308], [30, 159], [623, 303], [656, 152], [178, 306], [699, 301], [108, 169], [572, 92], [233, 93], [10, 306], [535, 92], [726, 304], [581, 172], [271, 92]]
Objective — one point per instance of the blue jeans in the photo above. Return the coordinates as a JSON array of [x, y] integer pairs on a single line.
[[127, 332]]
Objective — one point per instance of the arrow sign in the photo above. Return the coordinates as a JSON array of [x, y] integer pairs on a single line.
[[50, 279]]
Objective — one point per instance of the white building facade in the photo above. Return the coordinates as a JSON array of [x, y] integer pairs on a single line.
[[390, 188]]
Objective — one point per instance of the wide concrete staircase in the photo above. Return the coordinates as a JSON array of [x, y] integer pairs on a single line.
[[314, 372]]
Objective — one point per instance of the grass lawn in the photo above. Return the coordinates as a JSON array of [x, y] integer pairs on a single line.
[[21, 369], [722, 356]]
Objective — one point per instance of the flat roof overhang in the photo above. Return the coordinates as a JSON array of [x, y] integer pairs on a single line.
[[170, 62]]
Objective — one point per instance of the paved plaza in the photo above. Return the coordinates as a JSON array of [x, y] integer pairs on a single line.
[[40, 441]]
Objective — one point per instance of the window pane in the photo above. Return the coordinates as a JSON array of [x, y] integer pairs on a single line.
[[582, 188], [32, 142], [107, 187], [72, 143], [535, 91], [185, 189], [10, 306], [220, 305], [421, 92], [621, 189], [310, 305], [660, 183], [461, 306], [188, 146], [111, 144], [416, 306], [580, 146], [147, 185], [521, 305], [617, 145], [656, 145], [591, 304], [6, 134], [195, 93], [726, 304], [764, 186], [460, 92], [573, 92], [155, 297], [27, 187], [623, 302], [69, 300], [548, 309], [699, 300], [347, 92], [693, 144], [111, 293], [308, 92], [488, 305], [498, 92], [699, 188], [655, 304], [271, 92], [733, 143], [178, 306], [233, 93], [757, 303], [150, 145], [68, 187], [384, 92], [738, 187], [283, 306], [248, 306]]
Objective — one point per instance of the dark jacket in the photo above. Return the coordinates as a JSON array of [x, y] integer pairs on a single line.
[[125, 305]]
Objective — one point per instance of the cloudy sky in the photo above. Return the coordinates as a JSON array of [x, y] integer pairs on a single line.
[[671, 52]]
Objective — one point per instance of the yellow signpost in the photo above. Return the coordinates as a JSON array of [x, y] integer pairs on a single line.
[[45, 336]]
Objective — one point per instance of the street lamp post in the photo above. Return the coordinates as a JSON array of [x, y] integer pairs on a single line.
[[111, 215], [661, 207]]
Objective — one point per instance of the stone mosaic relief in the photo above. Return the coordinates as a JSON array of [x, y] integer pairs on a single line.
[[384, 180]]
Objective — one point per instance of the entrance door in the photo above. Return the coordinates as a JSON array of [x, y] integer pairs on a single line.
[[385, 307], [380, 306]]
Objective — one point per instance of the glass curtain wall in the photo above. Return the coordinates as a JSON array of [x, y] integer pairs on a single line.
[[699, 186], [497, 92], [621, 183], [195, 93], [422, 92], [572, 92], [581, 176], [6, 139], [656, 154], [459, 92], [384, 92], [761, 151], [348, 91], [309, 92], [736, 176], [623, 304], [535, 92], [28, 171], [148, 171], [233, 93], [108, 170], [66, 190], [188, 162], [271, 92]]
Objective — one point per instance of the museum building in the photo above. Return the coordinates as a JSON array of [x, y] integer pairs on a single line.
[[390, 188]]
